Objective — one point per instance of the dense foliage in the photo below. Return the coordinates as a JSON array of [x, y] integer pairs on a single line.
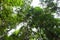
[[13, 12]]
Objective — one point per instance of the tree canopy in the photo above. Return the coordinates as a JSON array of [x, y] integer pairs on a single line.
[[19, 12]]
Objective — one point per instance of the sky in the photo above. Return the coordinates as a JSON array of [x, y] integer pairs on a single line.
[[35, 3]]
